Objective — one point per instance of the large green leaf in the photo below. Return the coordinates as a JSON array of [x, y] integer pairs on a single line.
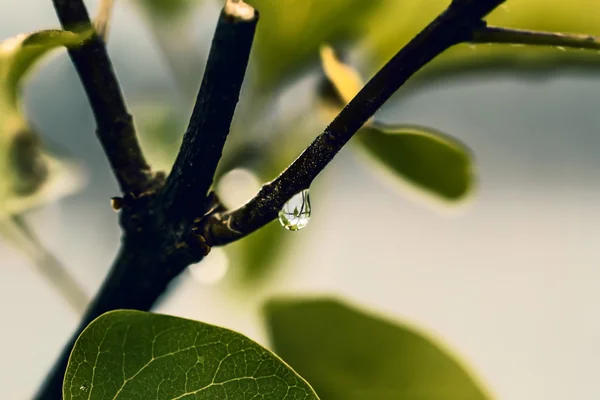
[[290, 32], [349, 355], [30, 176], [136, 355], [424, 157], [398, 21]]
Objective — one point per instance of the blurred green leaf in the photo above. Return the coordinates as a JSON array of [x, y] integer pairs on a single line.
[[347, 354], [429, 159], [257, 256], [290, 32], [424, 157], [19, 53], [136, 355], [161, 127], [168, 10], [172, 26], [30, 175], [398, 21]]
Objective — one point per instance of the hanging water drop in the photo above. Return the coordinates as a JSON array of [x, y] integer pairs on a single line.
[[295, 213]]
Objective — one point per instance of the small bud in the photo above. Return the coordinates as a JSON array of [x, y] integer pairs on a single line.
[[116, 203]]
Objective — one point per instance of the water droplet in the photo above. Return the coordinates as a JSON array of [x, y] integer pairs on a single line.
[[84, 388], [295, 213]]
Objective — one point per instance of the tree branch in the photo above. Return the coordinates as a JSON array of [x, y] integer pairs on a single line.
[[139, 276], [158, 242], [115, 128], [186, 188], [455, 25], [494, 34]]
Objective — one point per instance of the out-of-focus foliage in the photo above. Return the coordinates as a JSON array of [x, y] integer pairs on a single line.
[[161, 130], [257, 255], [397, 21], [349, 355], [168, 10], [290, 32], [136, 355], [171, 24], [30, 176], [422, 156]]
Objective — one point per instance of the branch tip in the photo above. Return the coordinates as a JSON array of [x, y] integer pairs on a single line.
[[239, 10]]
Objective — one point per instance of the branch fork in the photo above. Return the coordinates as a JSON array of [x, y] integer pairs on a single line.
[[170, 223]]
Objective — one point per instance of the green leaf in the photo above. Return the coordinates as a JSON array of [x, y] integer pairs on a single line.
[[349, 355], [168, 10], [398, 21], [422, 156], [161, 127], [18, 54], [257, 256], [30, 176], [429, 159], [290, 32], [136, 355]]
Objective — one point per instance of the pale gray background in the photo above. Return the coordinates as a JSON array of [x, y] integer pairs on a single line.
[[511, 282]]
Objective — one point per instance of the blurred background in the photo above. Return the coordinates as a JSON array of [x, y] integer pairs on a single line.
[[508, 279]]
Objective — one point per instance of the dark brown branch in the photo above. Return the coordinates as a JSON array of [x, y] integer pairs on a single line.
[[196, 163], [115, 128], [158, 242], [455, 25], [142, 272]]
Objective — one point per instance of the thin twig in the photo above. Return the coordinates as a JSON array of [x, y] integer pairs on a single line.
[[453, 26], [186, 188], [47, 265], [494, 34], [115, 128]]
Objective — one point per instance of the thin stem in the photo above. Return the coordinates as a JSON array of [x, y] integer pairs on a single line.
[[186, 188], [455, 25], [494, 34], [115, 128], [47, 265]]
